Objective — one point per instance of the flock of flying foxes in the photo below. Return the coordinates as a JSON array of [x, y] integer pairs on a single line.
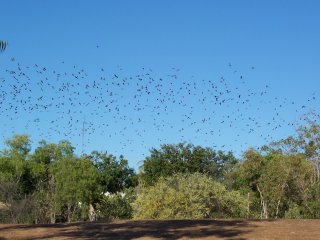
[[70, 102]]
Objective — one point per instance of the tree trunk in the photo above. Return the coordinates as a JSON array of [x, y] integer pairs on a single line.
[[53, 217], [51, 199], [69, 212], [264, 206], [248, 205], [279, 201], [92, 214], [318, 170], [277, 212]]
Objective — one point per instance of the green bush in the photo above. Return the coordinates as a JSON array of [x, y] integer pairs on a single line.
[[188, 196], [117, 206], [294, 212]]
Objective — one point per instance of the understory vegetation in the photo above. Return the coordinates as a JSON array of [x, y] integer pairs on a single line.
[[177, 181]]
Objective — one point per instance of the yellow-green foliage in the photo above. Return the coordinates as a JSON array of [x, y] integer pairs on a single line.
[[185, 196]]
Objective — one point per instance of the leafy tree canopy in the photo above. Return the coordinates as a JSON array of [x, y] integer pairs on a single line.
[[185, 158], [115, 174]]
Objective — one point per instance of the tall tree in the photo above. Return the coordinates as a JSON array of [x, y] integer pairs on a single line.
[[75, 186], [13, 158], [115, 174], [185, 158], [44, 158], [309, 138], [15, 184], [278, 181]]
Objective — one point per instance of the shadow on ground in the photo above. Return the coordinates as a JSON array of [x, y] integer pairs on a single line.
[[168, 229]]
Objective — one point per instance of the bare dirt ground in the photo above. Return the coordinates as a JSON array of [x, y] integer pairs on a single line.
[[168, 229]]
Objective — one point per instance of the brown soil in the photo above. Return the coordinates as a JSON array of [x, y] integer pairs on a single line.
[[168, 229]]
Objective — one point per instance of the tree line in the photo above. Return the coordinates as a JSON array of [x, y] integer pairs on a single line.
[[177, 181]]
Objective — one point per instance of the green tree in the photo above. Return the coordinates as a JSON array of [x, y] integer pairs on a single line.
[[19, 146], [115, 175], [75, 186], [185, 158], [43, 160], [278, 181], [309, 138], [15, 179], [307, 142], [13, 167], [304, 193]]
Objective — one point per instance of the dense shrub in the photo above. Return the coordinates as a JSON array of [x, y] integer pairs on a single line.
[[184, 196]]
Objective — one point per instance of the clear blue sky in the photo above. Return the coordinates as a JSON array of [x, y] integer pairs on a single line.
[[261, 60]]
